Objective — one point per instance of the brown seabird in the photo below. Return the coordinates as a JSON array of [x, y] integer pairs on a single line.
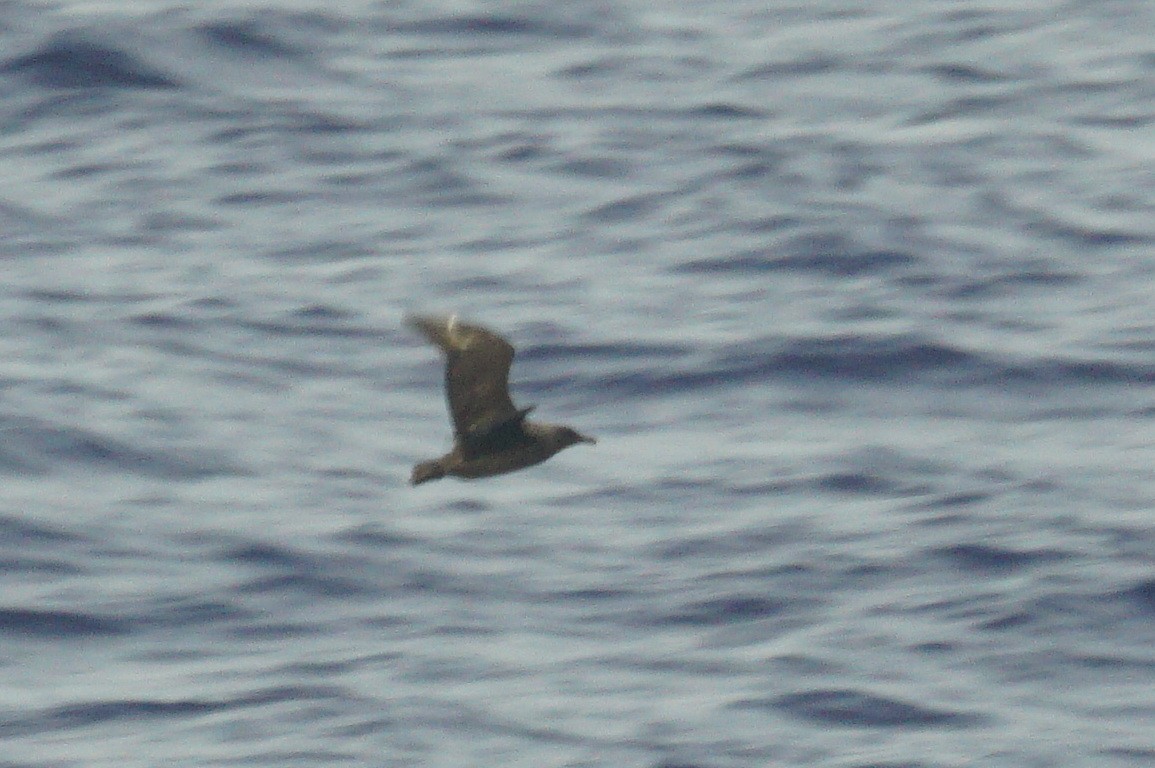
[[491, 436]]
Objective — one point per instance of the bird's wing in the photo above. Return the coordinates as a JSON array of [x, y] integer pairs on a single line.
[[476, 375]]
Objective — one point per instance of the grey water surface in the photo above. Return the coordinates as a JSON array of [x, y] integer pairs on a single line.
[[857, 297]]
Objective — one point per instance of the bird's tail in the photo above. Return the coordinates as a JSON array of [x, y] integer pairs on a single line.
[[426, 471]]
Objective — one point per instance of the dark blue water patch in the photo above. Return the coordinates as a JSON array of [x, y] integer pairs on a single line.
[[429, 581], [69, 296], [1133, 542], [237, 134], [755, 152], [1133, 121], [18, 532], [267, 555], [835, 258], [59, 625], [527, 151], [855, 709], [952, 501], [87, 714], [586, 595], [169, 222], [985, 558], [301, 573], [726, 111], [87, 171], [1086, 609], [464, 630], [1072, 371], [40, 565], [725, 611], [308, 584], [1008, 621], [1086, 237], [964, 74], [246, 38], [434, 182], [1140, 756], [489, 245], [276, 630], [68, 61], [161, 320], [853, 358], [602, 66], [813, 64], [100, 712], [1011, 285], [763, 540], [849, 359], [47, 446], [293, 693], [1143, 595], [320, 123], [214, 303], [499, 26], [971, 24], [251, 373], [187, 612], [596, 354], [627, 209], [376, 538], [258, 197], [1098, 663], [595, 168], [320, 328], [966, 107], [777, 487], [912, 357], [301, 757], [863, 484], [617, 494], [850, 263], [326, 669], [321, 313], [758, 168], [890, 765]]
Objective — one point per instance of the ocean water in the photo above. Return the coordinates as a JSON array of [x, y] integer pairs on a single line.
[[857, 298]]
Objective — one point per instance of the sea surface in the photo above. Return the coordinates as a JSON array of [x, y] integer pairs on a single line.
[[856, 296]]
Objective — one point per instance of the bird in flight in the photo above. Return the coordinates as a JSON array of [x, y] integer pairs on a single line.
[[490, 435]]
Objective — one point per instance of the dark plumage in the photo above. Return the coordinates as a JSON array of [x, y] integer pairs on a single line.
[[491, 436]]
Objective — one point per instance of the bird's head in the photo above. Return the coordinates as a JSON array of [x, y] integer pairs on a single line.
[[566, 437]]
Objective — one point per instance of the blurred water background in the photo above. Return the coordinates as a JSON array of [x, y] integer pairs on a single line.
[[857, 297]]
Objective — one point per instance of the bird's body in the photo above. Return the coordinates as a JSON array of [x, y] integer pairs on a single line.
[[491, 435]]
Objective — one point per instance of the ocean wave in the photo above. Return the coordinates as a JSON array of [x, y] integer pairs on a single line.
[[71, 61], [40, 446], [848, 707], [59, 624]]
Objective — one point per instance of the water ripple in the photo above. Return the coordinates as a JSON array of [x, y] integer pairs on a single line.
[[853, 708], [67, 61], [59, 625]]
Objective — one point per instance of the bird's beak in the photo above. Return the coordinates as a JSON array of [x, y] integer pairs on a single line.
[[587, 439]]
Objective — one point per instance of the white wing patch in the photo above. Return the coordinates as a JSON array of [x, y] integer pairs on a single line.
[[457, 339]]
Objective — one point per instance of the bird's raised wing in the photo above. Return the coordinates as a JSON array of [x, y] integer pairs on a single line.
[[477, 364]]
